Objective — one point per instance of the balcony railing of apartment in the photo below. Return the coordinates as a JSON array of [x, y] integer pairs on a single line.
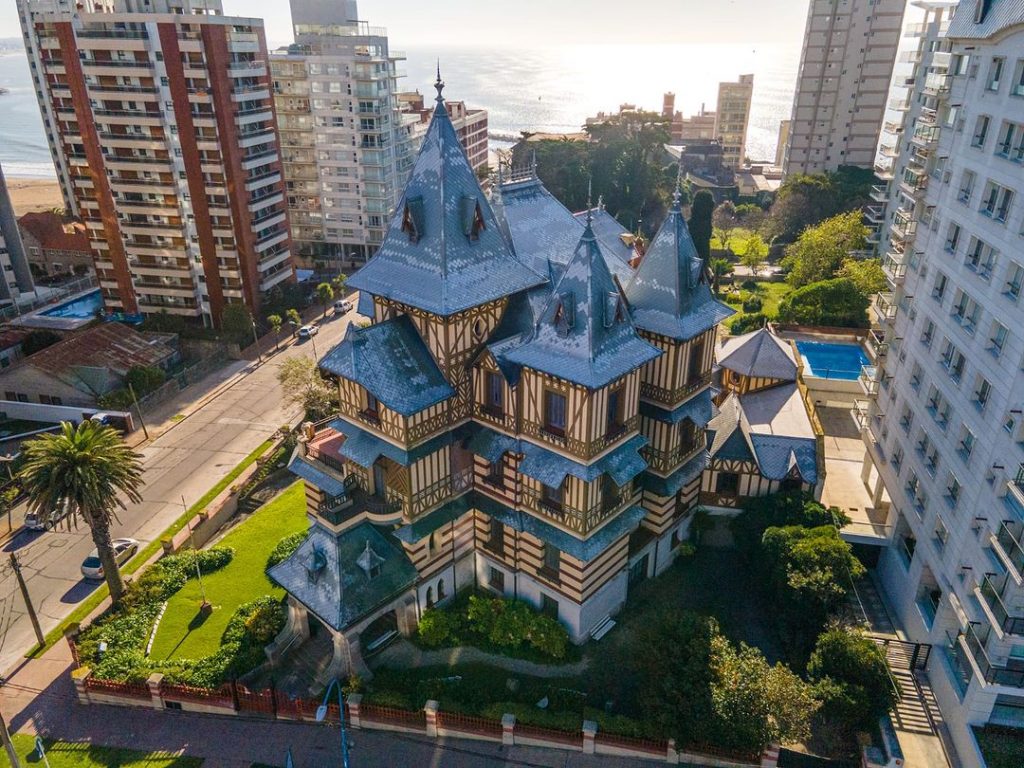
[[875, 213], [885, 306], [925, 134], [581, 448], [992, 589], [1007, 541], [880, 193], [936, 84], [974, 637], [877, 344], [861, 413], [580, 520], [895, 268], [667, 461], [673, 396], [869, 379]]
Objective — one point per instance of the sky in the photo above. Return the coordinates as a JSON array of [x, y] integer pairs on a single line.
[[542, 23]]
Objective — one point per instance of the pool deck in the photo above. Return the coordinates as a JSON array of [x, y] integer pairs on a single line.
[[36, 318]]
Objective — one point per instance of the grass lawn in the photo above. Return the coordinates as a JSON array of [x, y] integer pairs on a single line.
[[181, 635], [769, 293], [62, 754], [1001, 749], [100, 594], [737, 241]]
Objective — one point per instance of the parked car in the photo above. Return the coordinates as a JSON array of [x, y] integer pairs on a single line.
[[124, 549], [341, 306], [308, 331], [44, 519]]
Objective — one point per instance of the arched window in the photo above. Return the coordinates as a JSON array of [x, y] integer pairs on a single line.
[[430, 597], [440, 589]]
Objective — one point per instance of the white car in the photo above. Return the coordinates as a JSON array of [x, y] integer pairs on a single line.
[[42, 520], [342, 306], [308, 331], [124, 549]]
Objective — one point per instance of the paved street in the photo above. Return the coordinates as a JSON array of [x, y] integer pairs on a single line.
[[186, 460]]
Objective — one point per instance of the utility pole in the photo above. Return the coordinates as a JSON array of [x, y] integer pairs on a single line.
[[138, 409], [16, 566], [256, 340], [12, 753]]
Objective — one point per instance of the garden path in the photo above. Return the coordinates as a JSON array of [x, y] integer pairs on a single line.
[[402, 653]]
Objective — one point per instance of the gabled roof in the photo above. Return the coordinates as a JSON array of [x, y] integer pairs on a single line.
[[109, 346], [584, 334], [443, 251], [668, 294], [391, 361], [759, 354], [54, 234], [325, 574]]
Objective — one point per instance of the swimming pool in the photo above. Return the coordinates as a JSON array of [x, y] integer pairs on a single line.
[[832, 361], [82, 307]]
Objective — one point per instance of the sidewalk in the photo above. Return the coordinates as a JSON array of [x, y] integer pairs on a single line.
[[38, 698]]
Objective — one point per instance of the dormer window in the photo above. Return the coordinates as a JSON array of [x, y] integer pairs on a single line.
[[564, 314], [315, 564], [370, 562], [614, 312], [472, 218], [412, 218]]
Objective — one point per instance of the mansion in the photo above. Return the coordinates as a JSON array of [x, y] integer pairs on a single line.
[[526, 413]]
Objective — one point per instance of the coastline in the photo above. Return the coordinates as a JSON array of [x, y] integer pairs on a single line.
[[31, 195]]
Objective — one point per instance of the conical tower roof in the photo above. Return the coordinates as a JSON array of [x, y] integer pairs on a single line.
[[668, 293], [585, 333], [443, 251]]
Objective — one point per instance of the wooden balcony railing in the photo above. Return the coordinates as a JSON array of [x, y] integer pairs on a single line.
[[580, 448], [670, 397]]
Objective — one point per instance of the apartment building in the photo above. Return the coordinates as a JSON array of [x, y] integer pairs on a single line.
[[470, 126], [16, 275], [346, 147], [843, 83], [164, 125], [732, 117], [944, 427], [525, 414]]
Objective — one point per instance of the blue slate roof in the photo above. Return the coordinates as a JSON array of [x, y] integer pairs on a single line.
[[364, 304], [609, 233], [585, 334], [669, 486], [390, 360], [759, 354], [492, 445], [364, 447], [324, 573], [443, 251], [582, 549], [444, 515], [307, 470], [621, 464], [778, 455], [544, 233], [668, 293], [699, 409]]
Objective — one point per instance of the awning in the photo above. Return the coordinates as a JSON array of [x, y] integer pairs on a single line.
[[364, 449], [623, 464], [492, 445], [307, 470]]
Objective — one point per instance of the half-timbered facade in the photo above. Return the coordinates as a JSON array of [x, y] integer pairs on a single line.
[[525, 413]]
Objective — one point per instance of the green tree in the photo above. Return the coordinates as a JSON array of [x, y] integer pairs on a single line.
[[853, 678], [719, 268], [755, 703], [275, 322], [700, 223], [779, 510], [747, 322], [723, 224], [294, 319], [339, 283], [802, 201], [755, 251], [820, 251], [303, 385], [325, 293], [145, 378], [38, 340], [751, 216], [90, 468], [830, 303], [866, 274], [236, 324]]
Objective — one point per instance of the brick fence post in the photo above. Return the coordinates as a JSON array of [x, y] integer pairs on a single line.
[[589, 732], [671, 753], [354, 702], [430, 709], [508, 728], [155, 682], [78, 677], [770, 756]]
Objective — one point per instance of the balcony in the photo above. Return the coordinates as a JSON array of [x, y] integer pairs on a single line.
[[875, 213], [1016, 490], [972, 639], [861, 414], [925, 135], [880, 193], [936, 84], [991, 592], [885, 306], [869, 379], [877, 344], [895, 269], [904, 227], [1007, 545]]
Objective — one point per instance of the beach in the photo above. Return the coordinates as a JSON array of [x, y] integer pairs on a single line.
[[28, 195]]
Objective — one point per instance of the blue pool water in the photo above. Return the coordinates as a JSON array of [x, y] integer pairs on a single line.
[[832, 361], [82, 308]]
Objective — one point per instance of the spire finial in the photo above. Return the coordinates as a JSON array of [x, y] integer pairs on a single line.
[[439, 83], [590, 210], [533, 164], [676, 195]]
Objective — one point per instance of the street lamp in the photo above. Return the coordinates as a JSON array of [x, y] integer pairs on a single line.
[[321, 715], [256, 339]]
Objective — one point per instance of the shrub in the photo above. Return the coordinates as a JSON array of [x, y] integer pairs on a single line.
[[145, 378], [264, 622], [748, 285], [852, 677], [835, 302], [513, 623], [752, 304], [746, 323], [549, 637], [438, 627], [285, 548]]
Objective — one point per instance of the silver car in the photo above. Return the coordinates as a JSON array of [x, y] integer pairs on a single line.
[[124, 549]]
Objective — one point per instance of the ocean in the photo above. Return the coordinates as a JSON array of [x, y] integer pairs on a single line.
[[522, 89]]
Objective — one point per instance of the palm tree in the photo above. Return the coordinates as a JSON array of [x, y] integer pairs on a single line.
[[719, 268], [88, 467]]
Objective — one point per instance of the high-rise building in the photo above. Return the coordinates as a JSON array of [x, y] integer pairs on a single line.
[[699, 127], [944, 427], [16, 276], [843, 83], [732, 117], [347, 148], [162, 123], [470, 125]]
